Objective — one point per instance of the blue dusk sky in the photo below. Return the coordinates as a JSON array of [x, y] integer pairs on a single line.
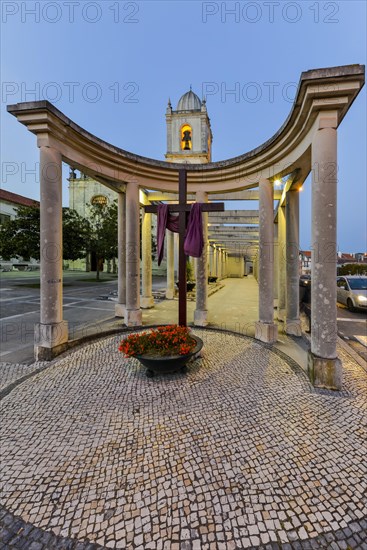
[[112, 65]]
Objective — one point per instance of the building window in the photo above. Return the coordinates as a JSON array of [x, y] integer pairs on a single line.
[[101, 200], [186, 138]]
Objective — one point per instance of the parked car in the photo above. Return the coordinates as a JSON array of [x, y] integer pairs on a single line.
[[352, 291]]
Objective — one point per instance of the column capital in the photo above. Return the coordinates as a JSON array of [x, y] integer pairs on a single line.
[[327, 119], [264, 181]]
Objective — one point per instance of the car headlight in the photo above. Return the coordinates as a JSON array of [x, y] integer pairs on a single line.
[[362, 298]]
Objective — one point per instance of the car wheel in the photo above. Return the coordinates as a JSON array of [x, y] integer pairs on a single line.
[[350, 305]]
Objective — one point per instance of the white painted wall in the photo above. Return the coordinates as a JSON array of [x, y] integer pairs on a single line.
[[236, 266]]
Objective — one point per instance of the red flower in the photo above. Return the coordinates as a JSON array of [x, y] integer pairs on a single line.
[[165, 340]]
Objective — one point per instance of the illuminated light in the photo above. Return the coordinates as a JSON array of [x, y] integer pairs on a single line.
[[362, 298], [277, 182], [300, 189], [101, 200], [186, 137]]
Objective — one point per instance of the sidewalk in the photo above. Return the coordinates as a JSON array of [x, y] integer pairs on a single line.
[[234, 307]]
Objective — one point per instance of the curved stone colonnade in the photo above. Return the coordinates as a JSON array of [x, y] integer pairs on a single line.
[[307, 140]]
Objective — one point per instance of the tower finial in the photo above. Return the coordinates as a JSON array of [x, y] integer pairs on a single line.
[[190, 88]]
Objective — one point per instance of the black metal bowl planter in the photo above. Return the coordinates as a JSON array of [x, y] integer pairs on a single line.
[[189, 286], [156, 364], [212, 279]]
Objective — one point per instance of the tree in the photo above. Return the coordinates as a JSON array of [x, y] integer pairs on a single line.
[[103, 232], [75, 233], [21, 235], [352, 269]]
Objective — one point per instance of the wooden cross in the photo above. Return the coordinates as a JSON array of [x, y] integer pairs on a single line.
[[182, 207]]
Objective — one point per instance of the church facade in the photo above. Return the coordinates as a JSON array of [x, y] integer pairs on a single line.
[[189, 140]]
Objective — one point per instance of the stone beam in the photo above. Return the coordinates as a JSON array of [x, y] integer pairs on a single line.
[[232, 228], [245, 195], [237, 237], [240, 219], [238, 234]]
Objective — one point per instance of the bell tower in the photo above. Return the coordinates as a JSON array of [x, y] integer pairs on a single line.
[[189, 135]]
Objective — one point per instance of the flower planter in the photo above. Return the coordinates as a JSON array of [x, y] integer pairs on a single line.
[[156, 364], [212, 279]]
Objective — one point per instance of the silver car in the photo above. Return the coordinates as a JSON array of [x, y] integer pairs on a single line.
[[352, 291]]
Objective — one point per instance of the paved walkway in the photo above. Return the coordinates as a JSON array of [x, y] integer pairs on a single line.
[[234, 307], [240, 452]]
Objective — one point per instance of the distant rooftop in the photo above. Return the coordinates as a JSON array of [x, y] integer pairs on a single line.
[[8, 196]]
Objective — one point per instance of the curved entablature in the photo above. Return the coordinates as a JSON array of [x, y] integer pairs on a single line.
[[329, 92]]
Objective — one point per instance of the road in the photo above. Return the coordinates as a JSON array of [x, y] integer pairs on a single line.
[[20, 304], [352, 327], [87, 310]]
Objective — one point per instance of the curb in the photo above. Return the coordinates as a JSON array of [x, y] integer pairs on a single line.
[[355, 356]]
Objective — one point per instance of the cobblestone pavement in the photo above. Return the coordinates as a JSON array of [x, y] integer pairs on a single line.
[[239, 452], [9, 373]]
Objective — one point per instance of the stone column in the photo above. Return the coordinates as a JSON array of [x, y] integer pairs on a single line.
[[201, 310], [282, 287], [255, 266], [52, 332], [325, 368], [265, 329], [211, 261], [276, 263], [176, 254], [147, 300], [120, 307], [215, 268], [170, 239], [292, 324], [219, 263], [133, 316]]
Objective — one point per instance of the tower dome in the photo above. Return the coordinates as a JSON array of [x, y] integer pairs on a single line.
[[189, 102]]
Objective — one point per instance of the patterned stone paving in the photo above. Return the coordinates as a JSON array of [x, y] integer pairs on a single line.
[[239, 452], [9, 372]]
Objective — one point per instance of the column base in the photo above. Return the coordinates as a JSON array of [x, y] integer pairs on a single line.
[[50, 340], [120, 310], [325, 373], [170, 294], [146, 302], [133, 318], [200, 317], [51, 335], [266, 332], [293, 328], [281, 315]]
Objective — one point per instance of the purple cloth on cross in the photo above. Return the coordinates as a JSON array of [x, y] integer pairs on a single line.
[[165, 221], [194, 234]]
